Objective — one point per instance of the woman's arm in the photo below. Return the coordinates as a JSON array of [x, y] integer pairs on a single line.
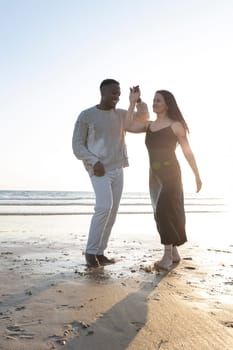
[[180, 132], [135, 126]]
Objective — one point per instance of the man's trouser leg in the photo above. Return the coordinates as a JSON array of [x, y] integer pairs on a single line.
[[108, 189], [117, 187]]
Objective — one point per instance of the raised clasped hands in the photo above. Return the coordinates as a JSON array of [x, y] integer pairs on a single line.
[[134, 94]]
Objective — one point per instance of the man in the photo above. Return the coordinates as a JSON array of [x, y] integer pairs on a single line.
[[99, 141]]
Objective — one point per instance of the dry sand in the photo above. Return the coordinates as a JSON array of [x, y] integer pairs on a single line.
[[50, 300]]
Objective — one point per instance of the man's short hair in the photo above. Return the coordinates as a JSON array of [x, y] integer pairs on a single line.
[[108, 82]]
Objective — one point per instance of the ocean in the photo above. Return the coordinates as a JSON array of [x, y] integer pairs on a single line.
[[82, 203]]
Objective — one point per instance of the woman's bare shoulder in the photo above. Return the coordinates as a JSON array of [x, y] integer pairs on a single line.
[[178, 128]]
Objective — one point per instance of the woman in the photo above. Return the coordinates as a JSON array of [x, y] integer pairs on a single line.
[[166, 190]]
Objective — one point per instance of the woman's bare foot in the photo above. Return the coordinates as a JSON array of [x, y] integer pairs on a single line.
[[166, 261], [158, 266], [175, 255]]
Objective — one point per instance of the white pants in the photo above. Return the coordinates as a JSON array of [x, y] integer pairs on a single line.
[[108, 191]]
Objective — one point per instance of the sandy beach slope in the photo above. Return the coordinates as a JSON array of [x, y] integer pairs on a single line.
[[50, 300]]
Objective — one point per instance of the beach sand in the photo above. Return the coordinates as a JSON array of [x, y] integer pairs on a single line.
[[50, 300]]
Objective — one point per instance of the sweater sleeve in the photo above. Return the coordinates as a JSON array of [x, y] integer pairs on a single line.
[[79, 142]]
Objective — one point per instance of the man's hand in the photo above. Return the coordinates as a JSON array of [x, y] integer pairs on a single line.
[[136, 88], [98, 169]]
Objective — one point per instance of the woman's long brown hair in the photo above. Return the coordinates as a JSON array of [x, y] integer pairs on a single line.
[[174, 112]]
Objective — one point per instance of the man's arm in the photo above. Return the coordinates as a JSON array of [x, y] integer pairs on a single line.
[[79, 142]]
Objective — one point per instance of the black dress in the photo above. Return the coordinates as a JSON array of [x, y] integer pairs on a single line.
[[166, 190]]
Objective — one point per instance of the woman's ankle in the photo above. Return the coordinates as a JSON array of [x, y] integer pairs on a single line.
[[175, 254]]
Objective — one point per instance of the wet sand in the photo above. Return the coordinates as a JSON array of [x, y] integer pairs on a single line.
[[49, 299]]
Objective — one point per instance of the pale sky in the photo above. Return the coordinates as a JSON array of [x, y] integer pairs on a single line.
[[55, 53]]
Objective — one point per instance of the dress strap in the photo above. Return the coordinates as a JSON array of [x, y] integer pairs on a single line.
[[148, 125]]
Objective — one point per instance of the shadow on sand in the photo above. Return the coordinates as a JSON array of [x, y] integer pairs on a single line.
[[116, 329]]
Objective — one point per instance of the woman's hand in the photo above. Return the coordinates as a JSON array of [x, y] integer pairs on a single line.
[[198, 184], [134, 95]]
